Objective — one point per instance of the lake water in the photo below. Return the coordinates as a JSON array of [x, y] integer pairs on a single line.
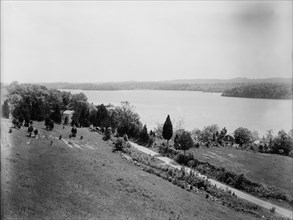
[[199, 109]]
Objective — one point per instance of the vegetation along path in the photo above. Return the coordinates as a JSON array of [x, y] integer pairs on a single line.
[[282, 211]]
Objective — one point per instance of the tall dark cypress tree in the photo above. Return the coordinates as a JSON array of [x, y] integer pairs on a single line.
[[167, 130]]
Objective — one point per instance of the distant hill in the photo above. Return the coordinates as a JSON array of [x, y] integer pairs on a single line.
[[205, 85]]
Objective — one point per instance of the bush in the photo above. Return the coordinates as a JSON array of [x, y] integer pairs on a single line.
[[125, 137], [36, 131], [108, 134], [30, 129], [119, 144]]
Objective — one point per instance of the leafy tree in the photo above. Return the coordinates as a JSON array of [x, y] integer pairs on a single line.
[[209, 132], [270, 139], [144, 136], [102, 116], [184, 141], [196, 134], [167, 130], [47, 120], [56, 114], [66, 97], [242, 136], [76, 100], [126, 120], [158, 131], [5, 109], [283, 143]]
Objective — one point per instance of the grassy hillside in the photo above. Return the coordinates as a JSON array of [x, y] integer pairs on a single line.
[[83, 179], [268, 169]]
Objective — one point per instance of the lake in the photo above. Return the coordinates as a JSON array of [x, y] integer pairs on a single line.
[[193, 109]]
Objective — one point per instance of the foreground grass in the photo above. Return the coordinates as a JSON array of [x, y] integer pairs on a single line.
[[44, 181], [268, 169]]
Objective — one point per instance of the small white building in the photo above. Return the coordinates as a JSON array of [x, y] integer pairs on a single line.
[[68, 114]]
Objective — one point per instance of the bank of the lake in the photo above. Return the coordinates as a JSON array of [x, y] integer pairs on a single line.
[[199, 109]]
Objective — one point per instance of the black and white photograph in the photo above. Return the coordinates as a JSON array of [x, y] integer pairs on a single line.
[[146, 110]]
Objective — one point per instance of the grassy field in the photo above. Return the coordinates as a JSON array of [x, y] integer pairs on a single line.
[[269, 169], [83, 179]]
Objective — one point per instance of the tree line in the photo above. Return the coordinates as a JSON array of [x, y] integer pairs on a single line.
[[262, 90], [33, 102], [28, 102], [212, 135]]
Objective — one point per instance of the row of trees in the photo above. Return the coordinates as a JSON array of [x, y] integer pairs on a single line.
[[262, 90], [282, 143], [33, 102]]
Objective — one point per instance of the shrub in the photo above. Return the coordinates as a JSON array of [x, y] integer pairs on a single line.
[[15, 122], [30, 129], [36, 131], [143, 135], [125, 137], [108, 134], [73, 131], [183, 141], [119, 144]]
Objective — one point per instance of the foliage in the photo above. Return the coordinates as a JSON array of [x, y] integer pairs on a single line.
[[158, 131], [167, 129], [73, 131], [49, 124], [56, 114], [208, 133], [263, 90], [34, 102], [119, 144], [107, 134], [30, 129], [183, 141], [196, 134], [243, 136], [126, 120], [5, 109], [102, 117], [144, 136], [283, 143]]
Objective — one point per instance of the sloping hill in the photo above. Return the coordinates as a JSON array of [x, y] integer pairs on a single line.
[[83, 179]]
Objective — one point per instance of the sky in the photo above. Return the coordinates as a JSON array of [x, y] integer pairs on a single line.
[[97, 41]]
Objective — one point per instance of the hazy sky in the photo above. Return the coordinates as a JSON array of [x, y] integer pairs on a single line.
[[96, 41]]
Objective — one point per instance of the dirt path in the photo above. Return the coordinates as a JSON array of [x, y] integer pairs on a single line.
[[282, 211]]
